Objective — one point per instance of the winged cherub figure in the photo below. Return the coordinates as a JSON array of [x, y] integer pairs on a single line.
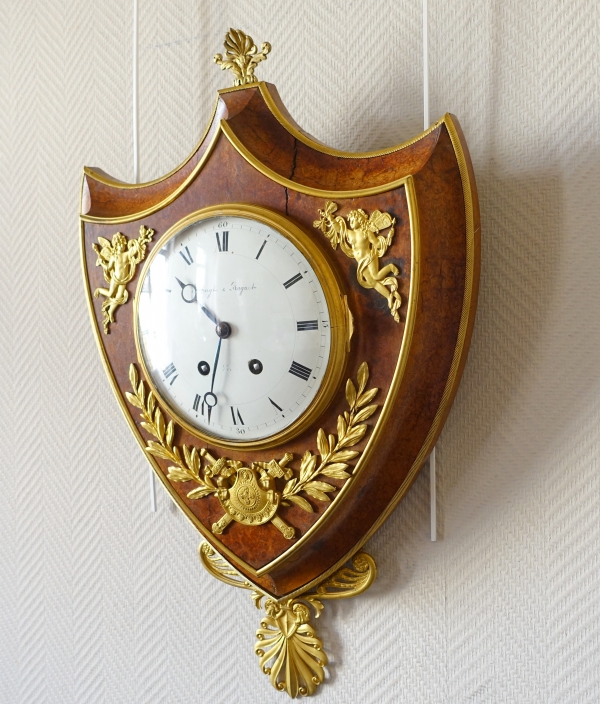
[[119, 260], [363, 242]]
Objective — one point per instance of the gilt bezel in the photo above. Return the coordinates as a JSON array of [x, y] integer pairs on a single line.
[[338, 316]]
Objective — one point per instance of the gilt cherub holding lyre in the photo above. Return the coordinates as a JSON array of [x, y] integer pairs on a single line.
[[362, 241], [119, 260]]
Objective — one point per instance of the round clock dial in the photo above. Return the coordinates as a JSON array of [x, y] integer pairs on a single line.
[[234, 327]]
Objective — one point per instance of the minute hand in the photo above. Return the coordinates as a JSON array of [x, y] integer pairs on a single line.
[[212, 384], [213, 399]]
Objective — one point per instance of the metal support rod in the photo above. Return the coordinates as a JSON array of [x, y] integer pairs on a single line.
[[432, 496], [426, 123], [136, 131], [425, 69], [136, 165]]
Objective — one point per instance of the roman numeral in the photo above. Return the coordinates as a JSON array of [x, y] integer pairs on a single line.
[[279, 408], [233, 412], [169, 371], [188, 260], [262, 246], [292, 281], [223, 247], [307, 325], [197, 402], [300, 370]]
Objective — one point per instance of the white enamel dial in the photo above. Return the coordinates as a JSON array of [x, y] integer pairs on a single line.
[[234, 328]]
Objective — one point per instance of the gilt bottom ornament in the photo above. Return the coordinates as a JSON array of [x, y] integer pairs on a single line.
[[288, 648]]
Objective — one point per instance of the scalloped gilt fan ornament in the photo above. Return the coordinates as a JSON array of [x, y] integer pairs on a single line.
[[284, 327]]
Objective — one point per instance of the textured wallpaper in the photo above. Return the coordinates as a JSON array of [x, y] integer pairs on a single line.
[[104, 601]]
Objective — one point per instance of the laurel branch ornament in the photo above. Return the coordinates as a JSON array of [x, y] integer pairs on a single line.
[[248, 494]]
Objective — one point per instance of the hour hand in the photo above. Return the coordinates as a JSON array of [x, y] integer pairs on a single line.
[[209, 315], [188, 291]]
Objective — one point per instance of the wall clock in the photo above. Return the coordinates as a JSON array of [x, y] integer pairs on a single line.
[[285, 326]]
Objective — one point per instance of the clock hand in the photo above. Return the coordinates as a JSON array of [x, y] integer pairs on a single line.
[[210, 398], [183, 287], [210, 315], [215, 364], [223, 331]]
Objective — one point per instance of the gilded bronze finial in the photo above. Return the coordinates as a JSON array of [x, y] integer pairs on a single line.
[[241, 56]]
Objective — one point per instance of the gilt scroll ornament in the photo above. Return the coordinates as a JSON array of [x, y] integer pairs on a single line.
[[362, 241], [119, 260]]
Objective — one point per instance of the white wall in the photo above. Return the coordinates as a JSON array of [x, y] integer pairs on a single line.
[[102, 601]]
